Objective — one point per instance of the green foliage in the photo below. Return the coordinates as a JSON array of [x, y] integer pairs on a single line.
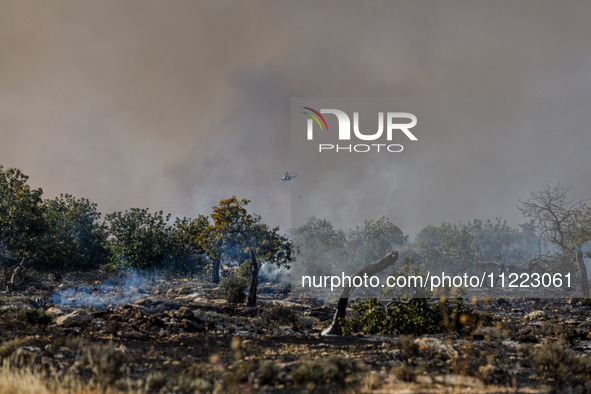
[[239, 235], [62, 233], [35, 316], [417, 316], [244, 270], [234, 289], [21, 219], [74, 237], [139, 239]]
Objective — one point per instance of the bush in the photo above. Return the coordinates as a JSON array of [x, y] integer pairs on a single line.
[[279, 315], [556, 361], [267, 371], [9, 347], [104, 360], [409, 348], [234, 289], [405, 373], [244, 270], [321, 370], [35, 316], [155, 381], [417, 316]]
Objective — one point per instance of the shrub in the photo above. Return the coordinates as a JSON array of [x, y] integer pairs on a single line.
[[266, 371], [279, 315], [405, 373], [320, 370], [155, 381], [556, 361], [234, 289], [35, 316], [417, 316], [104, 360], [9, 347], [409, 348]]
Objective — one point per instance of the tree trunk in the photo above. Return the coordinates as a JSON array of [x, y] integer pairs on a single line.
[[14, 276], [369, 270], [254, 280], [584, 277], [215, 277]]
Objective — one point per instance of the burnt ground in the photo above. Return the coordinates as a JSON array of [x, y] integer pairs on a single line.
[[181, 336]]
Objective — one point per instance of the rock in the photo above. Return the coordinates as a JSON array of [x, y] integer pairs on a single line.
[[437, 347], [183, 310], [31, 349], [192, 326], [535, 315], [307, 323], [76, 318], [143, 302], [185, 290], [53, 311]]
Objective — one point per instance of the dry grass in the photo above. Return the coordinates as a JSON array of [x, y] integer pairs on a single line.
[[24, 381]]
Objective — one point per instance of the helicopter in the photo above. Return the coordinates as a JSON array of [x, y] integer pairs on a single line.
[[289, 176]]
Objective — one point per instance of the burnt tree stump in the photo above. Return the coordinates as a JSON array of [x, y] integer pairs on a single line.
[[371, 269]]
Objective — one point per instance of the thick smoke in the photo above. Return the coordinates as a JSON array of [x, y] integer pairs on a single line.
[[176, 105]]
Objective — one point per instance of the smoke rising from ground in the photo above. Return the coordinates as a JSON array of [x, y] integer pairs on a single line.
[[175, 106], [116, 291]]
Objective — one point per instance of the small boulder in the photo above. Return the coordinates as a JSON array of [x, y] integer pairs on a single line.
[[54, 311], [437, 347], [76, 318], [535, 315]]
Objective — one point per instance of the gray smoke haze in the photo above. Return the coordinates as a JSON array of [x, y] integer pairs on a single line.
[[175, 105]]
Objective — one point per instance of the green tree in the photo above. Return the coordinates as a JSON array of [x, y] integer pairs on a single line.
[[187, 245], [239, 235], [74, 238], [138, 239], [21, 218]]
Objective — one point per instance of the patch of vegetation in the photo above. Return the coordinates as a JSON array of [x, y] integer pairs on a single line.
[[405, 373], [409, 348], [279, 315], [556, 362], [104, 361], [156, 381], [9, 347], [321, 370], [417, 316], [234, 289], [267, 371], [35, 316]]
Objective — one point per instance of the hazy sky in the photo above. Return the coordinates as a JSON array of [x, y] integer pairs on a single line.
[[175, 105]]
